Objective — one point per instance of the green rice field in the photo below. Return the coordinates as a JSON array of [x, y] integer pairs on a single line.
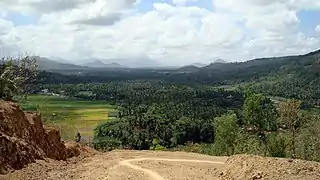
[[70, 115]]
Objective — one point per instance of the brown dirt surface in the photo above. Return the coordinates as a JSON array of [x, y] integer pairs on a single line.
[[157, 165], [115, 165], [243, 167], [24, 139]]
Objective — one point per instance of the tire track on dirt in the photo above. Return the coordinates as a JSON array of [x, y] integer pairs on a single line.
[[153, 175]]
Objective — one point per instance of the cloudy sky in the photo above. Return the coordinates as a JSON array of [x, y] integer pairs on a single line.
[[168, 31]]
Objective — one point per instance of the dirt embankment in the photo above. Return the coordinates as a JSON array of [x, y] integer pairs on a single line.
[[24, 139], [243, 167]]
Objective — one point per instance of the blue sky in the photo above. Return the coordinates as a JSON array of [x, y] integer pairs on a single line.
[[19, 19], [309, 19]]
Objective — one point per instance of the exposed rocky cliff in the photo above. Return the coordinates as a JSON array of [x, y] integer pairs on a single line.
[[24, 139]]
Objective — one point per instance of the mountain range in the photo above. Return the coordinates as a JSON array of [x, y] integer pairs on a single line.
[[100, 64], [48, 64]]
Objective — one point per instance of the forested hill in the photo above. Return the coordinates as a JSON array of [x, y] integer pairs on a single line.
[[290, 76], [256, 68]]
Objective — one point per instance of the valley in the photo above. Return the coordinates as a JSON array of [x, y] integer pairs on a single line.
[[148, 123]]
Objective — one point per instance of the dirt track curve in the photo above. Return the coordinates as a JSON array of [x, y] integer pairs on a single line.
[[126, 165], [155, 176]]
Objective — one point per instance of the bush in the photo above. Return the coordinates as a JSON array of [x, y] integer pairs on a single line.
[[156, 145], [276, 145], [106, 144], [107, 135], [248, 144]]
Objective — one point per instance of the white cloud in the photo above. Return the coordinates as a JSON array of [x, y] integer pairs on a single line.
[[113, 29], [317, 29], [271, 25]]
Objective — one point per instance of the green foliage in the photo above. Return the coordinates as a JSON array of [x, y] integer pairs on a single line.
[[106, 144], [16, 75], [181, 115], [248, 144], [276, 145], [253, 114], [290, 116], [259, 112], [308, 144], [156, 145], [226, 134]]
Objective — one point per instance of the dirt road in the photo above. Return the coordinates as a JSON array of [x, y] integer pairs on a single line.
[[121, 165], [153, 175]]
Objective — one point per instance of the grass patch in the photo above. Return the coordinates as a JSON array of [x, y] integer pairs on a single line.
[[70, 115]]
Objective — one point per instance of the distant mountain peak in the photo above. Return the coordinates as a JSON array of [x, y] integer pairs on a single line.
[[49, 64], [189, 68], [199, 65], [95, 63], [100, 64], [220, 61]]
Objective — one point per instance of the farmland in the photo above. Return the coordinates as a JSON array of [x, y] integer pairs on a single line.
[[70, 115]]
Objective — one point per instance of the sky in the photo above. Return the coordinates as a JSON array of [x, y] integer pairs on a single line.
[[169, 32]]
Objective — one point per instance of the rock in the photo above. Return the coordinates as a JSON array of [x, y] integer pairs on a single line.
[[257, 176]]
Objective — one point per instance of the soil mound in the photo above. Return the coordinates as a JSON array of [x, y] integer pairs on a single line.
[[244, 167], [24, 139]]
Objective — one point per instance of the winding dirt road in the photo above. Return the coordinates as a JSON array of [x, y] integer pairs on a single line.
[[126, 165], [154, 175]]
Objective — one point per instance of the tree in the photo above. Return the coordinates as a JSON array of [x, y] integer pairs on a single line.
[[226, 134], [16, 75], [291, 118], [260, 115], [252, 111], [260, 112]]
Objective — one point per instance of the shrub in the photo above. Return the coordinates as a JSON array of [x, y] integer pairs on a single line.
[[248, 144], [276, 145]]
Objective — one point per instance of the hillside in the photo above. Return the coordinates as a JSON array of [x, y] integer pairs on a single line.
[[190, 69], [289, 77], [263, 66], [48, 64], [100, 64], [199, 65]]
